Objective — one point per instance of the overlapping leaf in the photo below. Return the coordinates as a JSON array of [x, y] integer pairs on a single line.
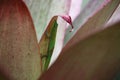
[[94, 58], [43, 10], [115, 17], [94, 15], [19, 51]]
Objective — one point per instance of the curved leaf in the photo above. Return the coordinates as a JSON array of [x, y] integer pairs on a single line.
[[19, 51], [75, 8], [94, 58], [95, 15], [43, 10]]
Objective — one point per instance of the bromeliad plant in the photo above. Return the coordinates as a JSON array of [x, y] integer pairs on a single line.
[[89, 52]]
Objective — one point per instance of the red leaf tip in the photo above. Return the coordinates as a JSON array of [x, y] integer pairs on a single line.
[[68, 19]]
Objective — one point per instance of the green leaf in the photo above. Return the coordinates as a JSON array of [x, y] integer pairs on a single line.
[[93, 16], [94, 58]]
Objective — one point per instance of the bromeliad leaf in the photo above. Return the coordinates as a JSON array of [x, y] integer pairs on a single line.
[[19, 52], [3, 75], [94, 58], [93, 23], [43, 10], [47, 42]]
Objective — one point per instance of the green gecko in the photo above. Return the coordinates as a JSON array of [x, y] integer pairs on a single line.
[[47, 42]]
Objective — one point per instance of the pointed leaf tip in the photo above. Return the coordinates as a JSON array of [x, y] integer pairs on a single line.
[[68, 19]]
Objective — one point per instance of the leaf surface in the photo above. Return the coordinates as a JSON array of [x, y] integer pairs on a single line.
[[92, 18], [19, 51], [43, 10], [115, 17], [94, 58]]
